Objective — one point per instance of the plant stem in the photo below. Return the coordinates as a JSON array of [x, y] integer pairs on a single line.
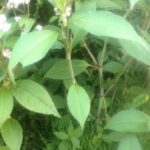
[[90, 53], [102, 96], [68, 48], [118, 77]]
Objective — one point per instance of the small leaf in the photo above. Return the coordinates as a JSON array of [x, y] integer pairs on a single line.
[[6, 105], [79, 103], [130, 142], [32, 47], [129, 121], [113, 67], [78, 35], [12, 134], [61, 135], [64, 145], [25, 24], [139, 100], [60, 69], [34, 97], [76, 142]]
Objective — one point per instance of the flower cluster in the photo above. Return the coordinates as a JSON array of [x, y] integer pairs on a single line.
[[16, 3], [4, 25], [68, 11], [39, 27], [6, 53]]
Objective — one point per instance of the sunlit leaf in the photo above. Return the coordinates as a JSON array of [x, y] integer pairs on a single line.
[[129, 142], [129, 121], [12, 134], [79, 103], [6, 105], [32, 47]]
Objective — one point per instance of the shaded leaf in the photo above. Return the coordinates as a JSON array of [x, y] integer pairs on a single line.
[[61, 135], [60, 69], [34, 97]]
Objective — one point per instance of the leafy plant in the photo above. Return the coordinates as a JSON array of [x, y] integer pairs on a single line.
[[81, 63]]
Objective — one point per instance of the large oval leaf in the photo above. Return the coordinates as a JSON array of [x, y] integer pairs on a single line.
[[129, 121], [101, 23], [12, 134], [34, 97], [32, 47], [130, 142], [60, 69], [79, 103], [6, 105]]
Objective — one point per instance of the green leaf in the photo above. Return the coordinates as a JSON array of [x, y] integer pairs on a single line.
[[79, 103], [78, 35], [34, 97], [139, 100], [107, 4], [61, 135], [136, 50], [129, 121], [32, 47], [4, 148], [59, 102], [85, 5], [25, 24], [98, 23], [12, 134], [60, 69], [64, 145], [114, 136], [75, 142], [113, 67], [6, 105], [130, 142]]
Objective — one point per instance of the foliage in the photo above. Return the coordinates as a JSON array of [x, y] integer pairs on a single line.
[[82, 66]]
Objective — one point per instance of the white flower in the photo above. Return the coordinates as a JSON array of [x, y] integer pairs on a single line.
[[68, 11], [17, 18], [4, 26], [38, 27], [6, 53], [57, 11], [16, 3]]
